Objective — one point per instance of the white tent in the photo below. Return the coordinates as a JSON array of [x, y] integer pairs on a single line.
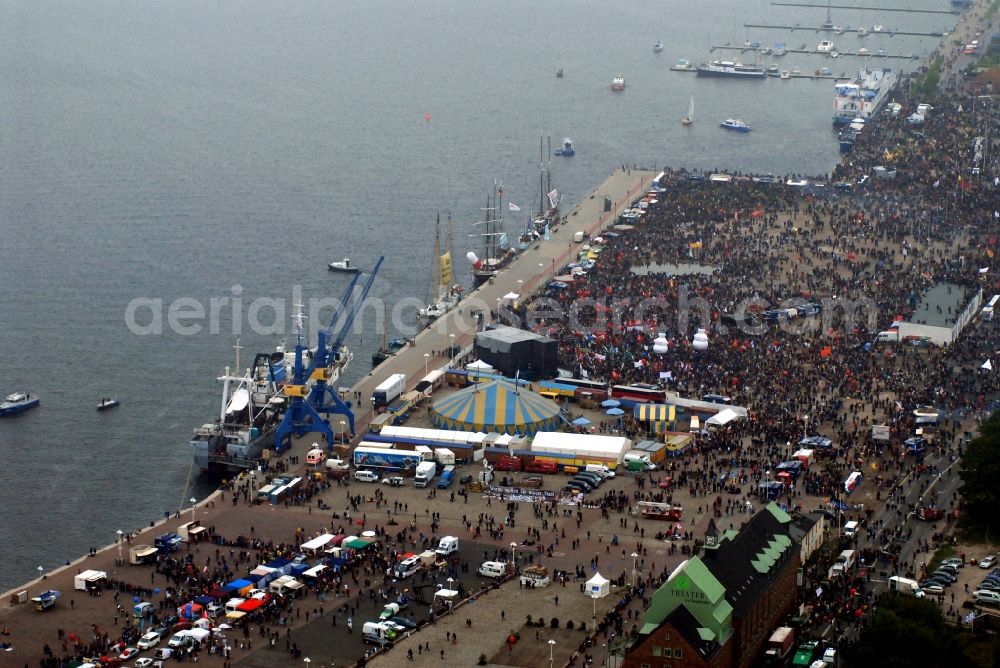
[[598, 586], [581, 446], [511, 297], [478, 365], [721, 418]]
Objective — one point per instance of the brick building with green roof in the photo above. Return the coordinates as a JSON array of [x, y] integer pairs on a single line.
[[718, 609]]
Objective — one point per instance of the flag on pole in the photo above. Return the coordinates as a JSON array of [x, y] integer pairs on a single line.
[[513, 207]]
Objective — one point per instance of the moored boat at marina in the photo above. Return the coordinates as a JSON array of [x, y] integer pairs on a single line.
[[731, 69], [18, 402], [826, 46]]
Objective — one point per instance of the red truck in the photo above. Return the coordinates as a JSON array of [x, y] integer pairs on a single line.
[[508, 463], [542, 466], [779, 645]]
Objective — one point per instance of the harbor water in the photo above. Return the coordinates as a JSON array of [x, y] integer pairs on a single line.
[[180, 152]]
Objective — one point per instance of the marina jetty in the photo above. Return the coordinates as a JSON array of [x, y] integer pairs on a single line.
[[791, 414]]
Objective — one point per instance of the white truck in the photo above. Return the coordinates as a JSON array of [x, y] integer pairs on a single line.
[[535, 576], [389, 389], [447, 545], [905, 586], [425, 474], [444, 457], [89, 579]]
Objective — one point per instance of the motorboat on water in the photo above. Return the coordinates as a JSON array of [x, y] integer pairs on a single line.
[[689, 119], [862, 51], [658, 47], [825, 46], [18, 402], [735, 124], [778, 50], [559, 73], [773, 71], [107, 404], [618, 83], [878, 28], [343, 266], [785, 74], [683, 64], [862, 31], [567, 150]]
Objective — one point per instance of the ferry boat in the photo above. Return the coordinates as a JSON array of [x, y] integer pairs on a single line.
[[825, 46], [735, 124], [863, 96], [567, 150], [18, 402], [618, 83], [343, 266], [729, 68]]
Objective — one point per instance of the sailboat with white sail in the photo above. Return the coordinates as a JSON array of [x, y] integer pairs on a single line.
[[689, 119]]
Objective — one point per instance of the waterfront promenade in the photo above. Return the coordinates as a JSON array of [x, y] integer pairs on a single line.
[[531, 269]]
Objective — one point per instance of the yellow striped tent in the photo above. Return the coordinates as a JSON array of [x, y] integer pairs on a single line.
[[496, 406]]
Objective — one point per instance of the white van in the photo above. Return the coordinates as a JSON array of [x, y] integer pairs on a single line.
[[493, 569], [578, 236], [599, 469], [447, 545], [377, 633], [365, 476], [890, 336], [851, 529]]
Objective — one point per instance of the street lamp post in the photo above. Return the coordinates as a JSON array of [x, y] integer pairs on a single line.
[[120, 534], [451, 349], [343, 432], [193, 501], [513, 546], [635, 555], [552, 646], [427, 358]]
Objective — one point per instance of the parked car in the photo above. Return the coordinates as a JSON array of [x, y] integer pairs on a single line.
[[404, 622], [393, 481], [986, 596], [933, 590], [128, 653], [574, 486], [954, 561], [143, 662], [163, 653], [987, 562], [151, 639]]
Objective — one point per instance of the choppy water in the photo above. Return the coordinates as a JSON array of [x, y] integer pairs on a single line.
[[176, 149]]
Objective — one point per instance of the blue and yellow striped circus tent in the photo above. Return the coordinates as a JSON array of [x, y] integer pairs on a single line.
[[496, 406]]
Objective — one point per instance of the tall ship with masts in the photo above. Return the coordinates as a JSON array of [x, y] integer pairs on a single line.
[[497, 252], [444, 295], [548, 196]]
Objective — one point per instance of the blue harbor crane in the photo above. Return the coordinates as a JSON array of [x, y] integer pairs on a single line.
[[309, 393]]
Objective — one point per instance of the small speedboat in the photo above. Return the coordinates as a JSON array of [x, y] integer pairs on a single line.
[[18, 403], [658, 47], [343, 265], [107, 404], [772, 71], [735, 124], [618, 83], [785, 74], [825, 46], [559, 73], [862, 31], [567, 149]]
